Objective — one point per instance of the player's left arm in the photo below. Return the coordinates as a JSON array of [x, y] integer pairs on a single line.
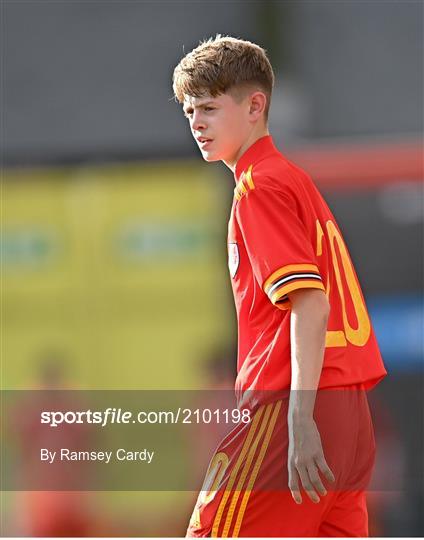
[[308, 325]]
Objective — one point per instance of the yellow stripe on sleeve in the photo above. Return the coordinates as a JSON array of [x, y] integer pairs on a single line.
[[293, 285], [281, 272], [240, 189], [249, 178]]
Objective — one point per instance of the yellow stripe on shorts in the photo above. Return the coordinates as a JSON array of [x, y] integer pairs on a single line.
[[234, 472], [256, 468], [245, 471]]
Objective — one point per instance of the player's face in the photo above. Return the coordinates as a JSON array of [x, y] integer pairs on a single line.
[[219, 125]]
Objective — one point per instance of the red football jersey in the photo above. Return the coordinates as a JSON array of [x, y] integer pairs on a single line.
[[282, 236]]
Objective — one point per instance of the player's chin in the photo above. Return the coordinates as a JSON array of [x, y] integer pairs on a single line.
[[210, 156]]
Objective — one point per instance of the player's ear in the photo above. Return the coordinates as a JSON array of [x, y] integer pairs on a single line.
[[257, 105]]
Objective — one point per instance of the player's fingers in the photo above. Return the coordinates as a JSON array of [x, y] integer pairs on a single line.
[[294, 485], [324, 468], [316, 480], [307, 484]]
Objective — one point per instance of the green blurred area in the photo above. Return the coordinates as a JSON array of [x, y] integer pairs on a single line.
[[115, 275], [116, 269]]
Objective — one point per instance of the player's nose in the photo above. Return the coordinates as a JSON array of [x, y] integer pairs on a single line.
[[198, 122]]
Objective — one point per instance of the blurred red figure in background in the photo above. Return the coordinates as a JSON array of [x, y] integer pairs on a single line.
[[53, 512]]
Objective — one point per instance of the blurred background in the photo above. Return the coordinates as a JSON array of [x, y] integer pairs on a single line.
[[114, 230]]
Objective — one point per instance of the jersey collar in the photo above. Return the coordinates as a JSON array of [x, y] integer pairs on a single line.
[[260, 149]]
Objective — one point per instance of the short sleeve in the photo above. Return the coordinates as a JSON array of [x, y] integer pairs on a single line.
[[276, 240]]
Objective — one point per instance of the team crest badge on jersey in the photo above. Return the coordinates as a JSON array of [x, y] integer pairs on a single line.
[[233, 258]]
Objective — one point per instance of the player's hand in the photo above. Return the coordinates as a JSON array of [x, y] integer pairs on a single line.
[[306, 461]]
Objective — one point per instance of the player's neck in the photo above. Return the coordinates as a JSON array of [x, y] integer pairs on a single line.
[[256, 134]]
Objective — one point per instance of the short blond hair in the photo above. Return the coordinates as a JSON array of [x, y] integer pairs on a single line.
[[224, 64]]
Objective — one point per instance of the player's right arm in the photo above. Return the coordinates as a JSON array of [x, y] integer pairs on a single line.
[[285, 265], [308, 325]]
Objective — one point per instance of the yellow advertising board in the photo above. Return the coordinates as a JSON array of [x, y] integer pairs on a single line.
[[118, 270]]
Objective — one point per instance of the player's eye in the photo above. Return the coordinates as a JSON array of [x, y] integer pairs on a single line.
[[189, 112]]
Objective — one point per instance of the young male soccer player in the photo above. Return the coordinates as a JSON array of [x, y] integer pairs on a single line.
[[302, 321]]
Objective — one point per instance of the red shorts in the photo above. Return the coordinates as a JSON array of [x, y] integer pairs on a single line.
[[245, 491]]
